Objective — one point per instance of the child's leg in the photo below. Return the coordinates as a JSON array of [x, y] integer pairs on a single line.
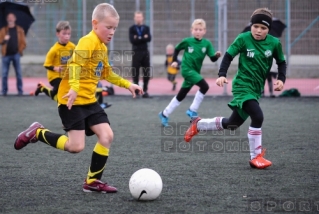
[[175, 102], [203, 88], [100, 152], [55, 84], [74, 143], [214, 124], [254, 133], [220, 123]]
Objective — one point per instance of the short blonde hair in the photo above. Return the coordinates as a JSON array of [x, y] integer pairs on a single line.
[[103, 10], [199, 22], [62, 25], [170, 46], [264, 11]]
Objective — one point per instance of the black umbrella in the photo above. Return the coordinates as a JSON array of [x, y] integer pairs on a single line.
[[277, 28], [22, 13]]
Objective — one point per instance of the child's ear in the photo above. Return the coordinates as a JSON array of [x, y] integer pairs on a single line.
[[94, 23]]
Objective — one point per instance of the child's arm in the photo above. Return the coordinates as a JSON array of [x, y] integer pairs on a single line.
[[115, 79], [48, 63], [223, 69], [282, 67], [175, 60], [216, 56], [279, 84]]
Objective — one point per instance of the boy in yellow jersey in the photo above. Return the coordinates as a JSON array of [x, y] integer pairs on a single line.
[[171, 71], [56, 60], [78, 108]]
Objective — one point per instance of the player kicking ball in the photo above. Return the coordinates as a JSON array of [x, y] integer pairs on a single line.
[[79, 110], [256, 51]]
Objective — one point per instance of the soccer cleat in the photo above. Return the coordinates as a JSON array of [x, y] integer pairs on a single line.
[[105, 105], [192, 130], [38, 90], [259, 161], [98, 186], [27, 136], [164, 120], [191, 113]]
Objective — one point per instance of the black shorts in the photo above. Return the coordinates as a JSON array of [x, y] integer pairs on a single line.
[[82, 117], [171, 77]]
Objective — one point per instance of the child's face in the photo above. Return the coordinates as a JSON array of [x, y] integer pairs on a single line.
[[105, 28], [198, 31], [170, 51], [64, 36], [259, 31]]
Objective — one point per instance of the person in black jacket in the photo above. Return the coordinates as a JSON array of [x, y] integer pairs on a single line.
[[139, 35]]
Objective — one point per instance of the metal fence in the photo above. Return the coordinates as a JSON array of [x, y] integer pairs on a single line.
[[170, 21]]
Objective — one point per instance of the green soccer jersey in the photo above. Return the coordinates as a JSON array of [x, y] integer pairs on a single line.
[[255, 60], [194, 53]]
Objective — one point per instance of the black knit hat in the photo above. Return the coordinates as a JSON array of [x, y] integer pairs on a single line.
[[261, 19]]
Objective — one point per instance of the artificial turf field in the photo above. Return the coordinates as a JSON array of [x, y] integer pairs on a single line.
[[41, 179]]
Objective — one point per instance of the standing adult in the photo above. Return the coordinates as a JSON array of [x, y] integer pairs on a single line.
[[139, 35], [12, 39]]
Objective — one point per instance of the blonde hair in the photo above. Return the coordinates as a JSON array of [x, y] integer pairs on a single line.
[[264, 11], [103, 10], [62, 25], [170, 46], [199, 22]]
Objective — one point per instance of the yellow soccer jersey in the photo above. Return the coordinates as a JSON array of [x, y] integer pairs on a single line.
[[58, 55], [170, 69], [88, 64]]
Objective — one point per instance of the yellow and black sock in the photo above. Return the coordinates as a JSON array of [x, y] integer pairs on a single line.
[[55, 140], [46, 90], [99, 158]]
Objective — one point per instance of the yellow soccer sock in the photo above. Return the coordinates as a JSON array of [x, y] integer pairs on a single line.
[[99, 158], [55, 140]]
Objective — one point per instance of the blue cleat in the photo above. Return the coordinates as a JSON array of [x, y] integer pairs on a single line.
[[191, 113], [164, 120]]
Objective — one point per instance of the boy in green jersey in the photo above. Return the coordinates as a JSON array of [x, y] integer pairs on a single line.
[[195, 49], [256, 51]]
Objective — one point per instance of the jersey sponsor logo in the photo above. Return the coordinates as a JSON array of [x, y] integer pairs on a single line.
[[98, 69], [268, 53], [250, 53], [190, 49], [204, 50], [64, 59]]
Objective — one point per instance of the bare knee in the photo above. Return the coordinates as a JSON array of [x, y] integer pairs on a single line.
[[106, 140], [74, 148]]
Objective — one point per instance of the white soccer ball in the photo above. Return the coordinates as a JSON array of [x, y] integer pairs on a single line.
[[145, 184]]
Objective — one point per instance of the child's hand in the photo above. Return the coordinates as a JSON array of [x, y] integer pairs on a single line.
[[279, 85], [221, 80], [133, 88], [174, 64], [71, 95], [218, 54], [57, 68]]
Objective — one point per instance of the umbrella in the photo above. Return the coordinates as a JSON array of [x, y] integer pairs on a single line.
[[22, 13], [277, 28]]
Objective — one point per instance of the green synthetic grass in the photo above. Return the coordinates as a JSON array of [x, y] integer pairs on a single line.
[[41, 179]]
